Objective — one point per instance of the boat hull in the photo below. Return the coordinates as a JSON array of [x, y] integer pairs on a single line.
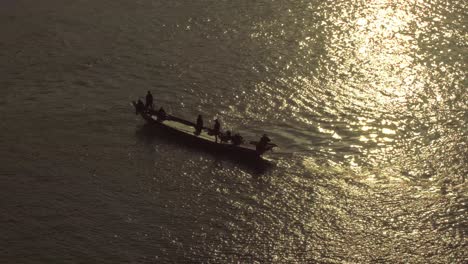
[[182, 131]]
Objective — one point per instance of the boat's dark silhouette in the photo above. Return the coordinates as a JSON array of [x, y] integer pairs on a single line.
[[186, 132]]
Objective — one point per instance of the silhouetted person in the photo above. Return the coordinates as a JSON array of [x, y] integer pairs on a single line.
[[140, 107], [225, 137], [216, 129], [161, 114], [262, 144], [237, 139], [199, 125], [149, 100]]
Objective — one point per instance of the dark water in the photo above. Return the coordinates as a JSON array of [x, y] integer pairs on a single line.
[[367, 100]]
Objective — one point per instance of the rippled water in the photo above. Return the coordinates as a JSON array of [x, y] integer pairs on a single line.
[[366, 99]]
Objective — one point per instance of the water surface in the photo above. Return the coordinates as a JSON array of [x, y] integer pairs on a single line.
[[367, 102]]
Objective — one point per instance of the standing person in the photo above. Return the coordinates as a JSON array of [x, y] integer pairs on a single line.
[[149, 101], [199, 126], [216, 129]]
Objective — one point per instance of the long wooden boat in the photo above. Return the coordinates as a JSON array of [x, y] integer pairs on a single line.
[[184, 131]]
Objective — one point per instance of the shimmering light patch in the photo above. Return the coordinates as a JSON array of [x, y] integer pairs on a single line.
[[324, 130], [357, 70], [336, 136], [377, 55], [388, 131], [383, 48]]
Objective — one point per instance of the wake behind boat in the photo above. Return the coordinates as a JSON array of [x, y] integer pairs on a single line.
[[186, 132]]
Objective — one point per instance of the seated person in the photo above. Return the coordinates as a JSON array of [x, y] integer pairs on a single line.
[[140, 107], [262, 144], [225, 137], [237, 140], [161, 114]]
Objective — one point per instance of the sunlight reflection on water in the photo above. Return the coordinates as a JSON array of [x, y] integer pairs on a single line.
[[369, 71]]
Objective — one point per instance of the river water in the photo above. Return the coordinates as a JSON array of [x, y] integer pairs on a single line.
[[366, 99]]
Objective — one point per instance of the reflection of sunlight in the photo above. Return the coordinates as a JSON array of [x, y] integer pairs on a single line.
[[383, 48], [363, 138], [388, 131], [336, 136], [352, 73], [380, 53]]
